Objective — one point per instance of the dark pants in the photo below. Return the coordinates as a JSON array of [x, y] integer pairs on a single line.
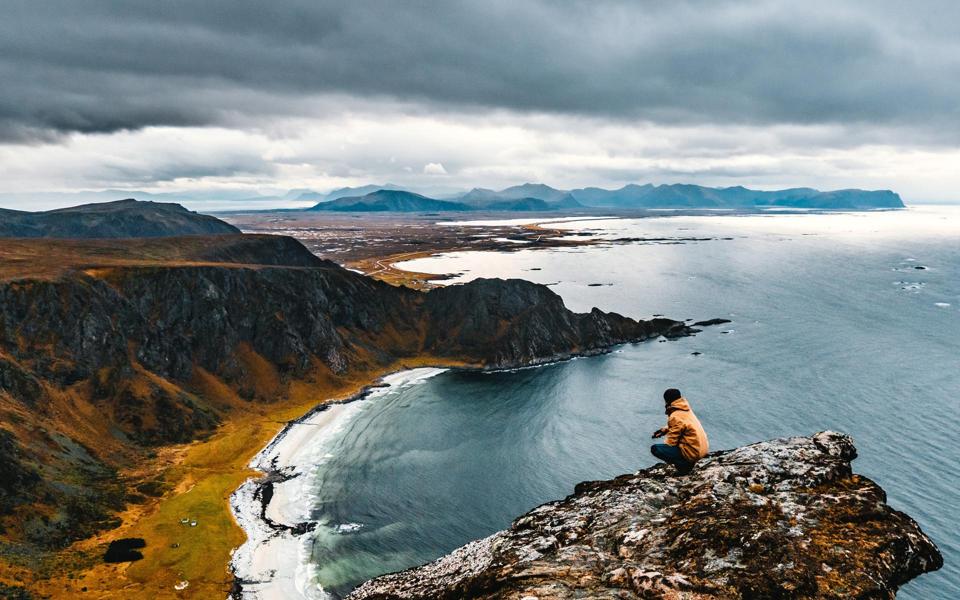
[[672, 455]]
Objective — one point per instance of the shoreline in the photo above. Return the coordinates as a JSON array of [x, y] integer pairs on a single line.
[[273, 510]]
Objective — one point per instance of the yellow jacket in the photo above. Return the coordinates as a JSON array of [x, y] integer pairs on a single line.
[[684, 430]]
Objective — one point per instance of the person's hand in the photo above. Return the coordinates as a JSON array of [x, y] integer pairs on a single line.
[[659, 433]]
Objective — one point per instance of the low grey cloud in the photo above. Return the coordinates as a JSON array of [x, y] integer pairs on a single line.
[[104, 66]]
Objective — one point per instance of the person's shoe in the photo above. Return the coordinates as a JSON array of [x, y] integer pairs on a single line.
[[684, 470]]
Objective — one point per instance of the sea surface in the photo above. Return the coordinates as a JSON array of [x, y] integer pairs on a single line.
[[848, 322]]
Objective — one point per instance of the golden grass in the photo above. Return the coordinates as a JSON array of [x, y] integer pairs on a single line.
[[260, 375], [22, 258], [201, 476]]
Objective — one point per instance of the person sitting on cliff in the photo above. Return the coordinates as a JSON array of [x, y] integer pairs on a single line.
[[686, 440]]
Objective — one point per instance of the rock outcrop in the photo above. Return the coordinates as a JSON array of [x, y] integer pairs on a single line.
[[785, 518]]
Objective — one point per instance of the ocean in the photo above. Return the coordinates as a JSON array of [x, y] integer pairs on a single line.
[[848, 322]]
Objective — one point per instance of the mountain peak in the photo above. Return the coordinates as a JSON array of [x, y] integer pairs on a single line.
[[115, 219]]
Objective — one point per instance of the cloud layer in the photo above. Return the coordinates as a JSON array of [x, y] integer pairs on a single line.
[[98, 65], [784, 78]]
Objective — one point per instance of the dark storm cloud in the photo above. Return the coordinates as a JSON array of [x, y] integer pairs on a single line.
[[98, 66]]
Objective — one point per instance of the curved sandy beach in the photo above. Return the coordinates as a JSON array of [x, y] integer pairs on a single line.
[[273, 510]]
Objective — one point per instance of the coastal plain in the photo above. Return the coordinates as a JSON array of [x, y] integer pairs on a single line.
[[372, 243]]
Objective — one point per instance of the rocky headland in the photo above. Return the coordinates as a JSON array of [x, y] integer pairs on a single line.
[[786, 518]]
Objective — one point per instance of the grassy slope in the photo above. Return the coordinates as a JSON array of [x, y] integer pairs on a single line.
[[200, 476], [47, 259]]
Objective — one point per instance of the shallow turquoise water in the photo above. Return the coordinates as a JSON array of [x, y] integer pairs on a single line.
[[833, 328]]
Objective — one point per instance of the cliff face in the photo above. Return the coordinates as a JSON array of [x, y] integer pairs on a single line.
[[101, 362], [171, 321], [779, 519], [513, 323]]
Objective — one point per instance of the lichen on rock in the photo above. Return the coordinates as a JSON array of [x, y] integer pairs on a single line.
[[785, 518]]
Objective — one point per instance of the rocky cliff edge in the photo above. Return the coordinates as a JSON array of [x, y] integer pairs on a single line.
[[786, 518]]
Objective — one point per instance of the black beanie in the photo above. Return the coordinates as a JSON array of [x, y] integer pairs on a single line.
[[671, 394]]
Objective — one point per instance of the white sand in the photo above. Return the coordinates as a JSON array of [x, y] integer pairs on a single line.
[[275, 564]]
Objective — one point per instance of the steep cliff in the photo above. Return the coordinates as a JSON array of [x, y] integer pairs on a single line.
[[785, 518], [514, 322], [103, 360]]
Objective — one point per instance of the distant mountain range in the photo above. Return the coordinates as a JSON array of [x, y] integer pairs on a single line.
[[118, 219], [697, 196], [553, 199], [404, 201], [534, 197], [540, 197], [348, 192]]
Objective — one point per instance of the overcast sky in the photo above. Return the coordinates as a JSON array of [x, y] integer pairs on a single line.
[[225, 94]]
